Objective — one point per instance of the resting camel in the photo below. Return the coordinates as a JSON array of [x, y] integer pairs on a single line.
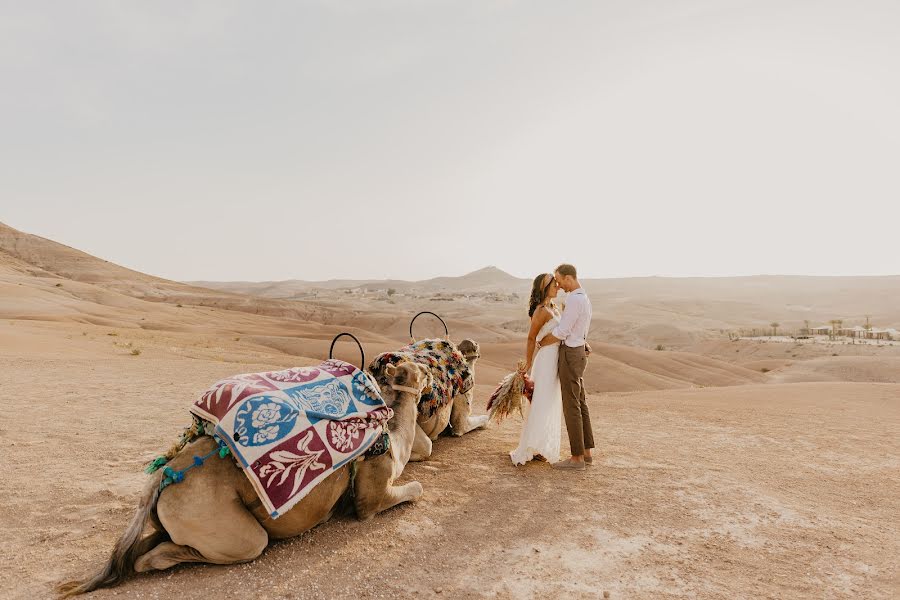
[[456, 414], [214, 515]]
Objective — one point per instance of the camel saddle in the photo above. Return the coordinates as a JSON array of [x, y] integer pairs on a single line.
[[291, 429], [447, 364]]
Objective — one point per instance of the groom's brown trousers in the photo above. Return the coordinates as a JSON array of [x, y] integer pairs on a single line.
[[572, 362]]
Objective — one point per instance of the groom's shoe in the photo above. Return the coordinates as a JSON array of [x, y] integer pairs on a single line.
[[589, 460], [569, 464]]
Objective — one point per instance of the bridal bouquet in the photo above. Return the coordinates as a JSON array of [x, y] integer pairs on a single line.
[[507, 398]]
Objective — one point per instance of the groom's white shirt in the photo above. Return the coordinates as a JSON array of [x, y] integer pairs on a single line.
[[576, 320]]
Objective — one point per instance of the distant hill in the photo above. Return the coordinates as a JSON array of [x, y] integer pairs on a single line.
[[640, 311], [37, 255], [488, 279], [745, 302], [43, 267], [651, 310]]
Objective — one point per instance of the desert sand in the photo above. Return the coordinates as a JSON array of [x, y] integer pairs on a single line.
[[725, 469]]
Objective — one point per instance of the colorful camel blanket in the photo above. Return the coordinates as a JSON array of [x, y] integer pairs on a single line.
[[451, 372], [291, 429]]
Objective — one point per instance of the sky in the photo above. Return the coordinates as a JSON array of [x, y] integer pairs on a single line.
[[411, 139]]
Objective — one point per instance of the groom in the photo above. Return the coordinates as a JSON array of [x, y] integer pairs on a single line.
[[572, 332]]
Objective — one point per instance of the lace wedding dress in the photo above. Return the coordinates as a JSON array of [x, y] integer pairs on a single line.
[[542, 431]]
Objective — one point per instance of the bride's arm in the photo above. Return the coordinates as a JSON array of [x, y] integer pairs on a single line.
[[537, 321]]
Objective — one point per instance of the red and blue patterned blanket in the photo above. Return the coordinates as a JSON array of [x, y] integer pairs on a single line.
[[291, 429], [448, 366]]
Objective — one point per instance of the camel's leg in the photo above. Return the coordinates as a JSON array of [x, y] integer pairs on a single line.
[[435, 425], [238, 544], [375, 489], [393, 495], [461, 418], [220, 532], [167, 555], [421, 448]]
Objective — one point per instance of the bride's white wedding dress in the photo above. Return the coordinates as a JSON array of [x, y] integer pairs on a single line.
[[542, 431]]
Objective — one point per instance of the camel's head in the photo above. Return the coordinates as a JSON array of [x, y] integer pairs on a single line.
[[470, 349], [408, 377]]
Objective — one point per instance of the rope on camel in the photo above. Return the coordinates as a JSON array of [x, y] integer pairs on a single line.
[[170, 475]]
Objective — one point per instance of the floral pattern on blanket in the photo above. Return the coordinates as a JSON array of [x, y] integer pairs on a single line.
[[291, 429], [263, 419]]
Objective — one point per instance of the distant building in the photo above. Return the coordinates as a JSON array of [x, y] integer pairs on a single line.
[[853, 332], [878, 334]]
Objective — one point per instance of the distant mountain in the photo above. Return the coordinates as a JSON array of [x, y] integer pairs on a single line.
[[641, 310], [488, 279], [634, 303]]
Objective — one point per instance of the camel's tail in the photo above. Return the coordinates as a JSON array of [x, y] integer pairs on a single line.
[[129, 547]]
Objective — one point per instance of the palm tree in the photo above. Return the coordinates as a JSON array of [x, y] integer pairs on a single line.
[[835, 325], [774, 327]]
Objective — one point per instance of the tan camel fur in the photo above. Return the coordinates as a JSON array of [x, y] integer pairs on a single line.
[[214, 515], [457, 414]]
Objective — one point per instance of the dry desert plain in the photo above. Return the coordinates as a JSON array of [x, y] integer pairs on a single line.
[[715, 479]]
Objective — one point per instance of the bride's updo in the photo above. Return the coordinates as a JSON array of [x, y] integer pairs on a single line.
[[538, 293]]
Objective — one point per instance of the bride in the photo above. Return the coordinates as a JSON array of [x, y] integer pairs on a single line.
[[540, 437]]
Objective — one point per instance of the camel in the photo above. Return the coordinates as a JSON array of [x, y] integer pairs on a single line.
[[457, 414], [214, 515]]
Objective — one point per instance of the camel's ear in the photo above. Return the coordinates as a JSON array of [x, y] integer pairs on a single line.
[[390, 370]]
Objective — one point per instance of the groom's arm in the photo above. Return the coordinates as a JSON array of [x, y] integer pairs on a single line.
[[566, 323], [548, 339]]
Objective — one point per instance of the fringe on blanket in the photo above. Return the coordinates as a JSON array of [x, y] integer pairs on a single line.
[[197, 428]]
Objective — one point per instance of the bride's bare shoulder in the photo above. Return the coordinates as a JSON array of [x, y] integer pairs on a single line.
[[540, 317]]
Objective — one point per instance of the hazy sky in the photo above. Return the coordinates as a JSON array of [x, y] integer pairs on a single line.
[[410, 139]]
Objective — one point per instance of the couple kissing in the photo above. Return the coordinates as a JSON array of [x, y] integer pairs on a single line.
[[556, 356]]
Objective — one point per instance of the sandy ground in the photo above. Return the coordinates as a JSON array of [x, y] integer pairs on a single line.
[[761, 490]]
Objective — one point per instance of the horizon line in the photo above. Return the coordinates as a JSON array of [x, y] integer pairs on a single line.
[[525, 279]]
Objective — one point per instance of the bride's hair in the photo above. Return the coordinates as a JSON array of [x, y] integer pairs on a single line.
[[538, 293]]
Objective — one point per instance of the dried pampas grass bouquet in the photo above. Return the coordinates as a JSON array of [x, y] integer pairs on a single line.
[[507, 398]]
